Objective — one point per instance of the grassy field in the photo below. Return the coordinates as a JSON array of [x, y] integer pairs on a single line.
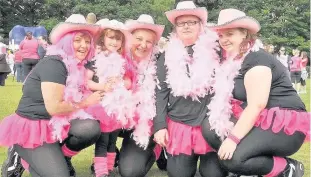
[[11, 93]]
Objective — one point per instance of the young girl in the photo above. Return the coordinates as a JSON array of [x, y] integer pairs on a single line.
[[109, 67]]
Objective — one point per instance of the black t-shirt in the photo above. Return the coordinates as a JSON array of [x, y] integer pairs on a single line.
[[282, 93], [91, 66], [31, 105]]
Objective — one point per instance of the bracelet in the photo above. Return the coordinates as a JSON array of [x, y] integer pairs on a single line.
[[234, 138]]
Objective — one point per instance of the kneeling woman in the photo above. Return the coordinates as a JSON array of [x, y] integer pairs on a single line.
[[270, 121], [51, 107]]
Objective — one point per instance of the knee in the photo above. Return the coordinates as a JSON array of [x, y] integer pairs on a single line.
[[87, 129], [207, 172], [233, 165], [178, 172], [131, 170]]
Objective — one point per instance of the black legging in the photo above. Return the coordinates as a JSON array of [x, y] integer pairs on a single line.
[[28, 65], [186, 166], [48, 160], [254, 154], [2, 78], [106, 143], [135, 161]]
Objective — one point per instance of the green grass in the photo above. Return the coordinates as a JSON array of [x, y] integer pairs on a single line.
[[11, 93]]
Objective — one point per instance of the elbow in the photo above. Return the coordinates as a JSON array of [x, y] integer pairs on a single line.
[[258, 106], [51, 109]]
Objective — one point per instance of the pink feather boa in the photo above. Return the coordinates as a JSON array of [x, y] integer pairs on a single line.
[[120, 102], [201, 67], [220, 105], [145, 99], [75, 91]]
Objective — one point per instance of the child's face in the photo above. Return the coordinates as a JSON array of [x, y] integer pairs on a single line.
[[98, 49], [112, 42]]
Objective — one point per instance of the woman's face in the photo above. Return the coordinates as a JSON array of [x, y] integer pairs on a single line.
[[112, 41], [143, 43], [282, 51], [81, 45], [230, 39]]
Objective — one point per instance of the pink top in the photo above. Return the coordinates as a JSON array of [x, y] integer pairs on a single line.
[[304, 62], [295, 63], [18, 56], [29, 48]]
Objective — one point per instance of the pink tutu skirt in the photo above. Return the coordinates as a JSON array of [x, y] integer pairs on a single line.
[[185, 139], [107, 123], [278, 119], [27, 133]]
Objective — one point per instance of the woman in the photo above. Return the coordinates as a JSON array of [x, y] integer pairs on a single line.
[[4, 68], [185, 76], [269, 120], [295, 69], [19, 66], [137, 153], [304, 73], [103, 68], [48, 125], [29, 47]]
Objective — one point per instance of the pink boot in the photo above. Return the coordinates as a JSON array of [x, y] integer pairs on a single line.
[[100, 166], [111, 157]]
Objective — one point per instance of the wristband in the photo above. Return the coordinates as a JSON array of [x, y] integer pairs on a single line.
[[235, 139]]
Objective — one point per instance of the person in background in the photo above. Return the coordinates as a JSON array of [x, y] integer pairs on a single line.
[[4, 67], [43, 44], [295, 69], [29, 47], [10, 61], [304, 73], [19, 66], [284, 59], [98, 48]]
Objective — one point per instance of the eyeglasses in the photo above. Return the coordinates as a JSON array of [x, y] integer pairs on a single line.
[[189, 23]]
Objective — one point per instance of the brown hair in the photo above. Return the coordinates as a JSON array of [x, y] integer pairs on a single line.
[[116, 34], [304, 54], [247, 43]]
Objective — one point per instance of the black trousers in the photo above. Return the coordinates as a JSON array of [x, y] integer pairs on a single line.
[[28, 65], [186, 165], [106, 143], [135, 161], [48, 160], [254, 154]]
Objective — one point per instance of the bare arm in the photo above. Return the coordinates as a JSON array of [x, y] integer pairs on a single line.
[[257, 98], [55, 105]]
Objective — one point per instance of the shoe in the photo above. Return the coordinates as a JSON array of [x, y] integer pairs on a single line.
[[12, 166], [162, 161], [293, 169], [72, 171]]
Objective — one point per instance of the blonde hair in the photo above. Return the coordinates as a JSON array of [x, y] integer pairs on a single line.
[[116, 34]]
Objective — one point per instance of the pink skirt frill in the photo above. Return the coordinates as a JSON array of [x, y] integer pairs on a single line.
[[107, 123], [279, 119], [185, 139], [27, 133]]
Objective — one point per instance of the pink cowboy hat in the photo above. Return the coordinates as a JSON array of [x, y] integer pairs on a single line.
[[187, 8], [233, 18], [75, 22], [145, 22]]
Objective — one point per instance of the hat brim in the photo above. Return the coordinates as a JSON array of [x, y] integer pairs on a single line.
[[245, 22], [65, 27], [200, 12], [158, 29]]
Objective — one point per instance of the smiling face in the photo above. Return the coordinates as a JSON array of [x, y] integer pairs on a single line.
[[188, 28], [113, 40], [231, 39], [143, 42], [81, 45]]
